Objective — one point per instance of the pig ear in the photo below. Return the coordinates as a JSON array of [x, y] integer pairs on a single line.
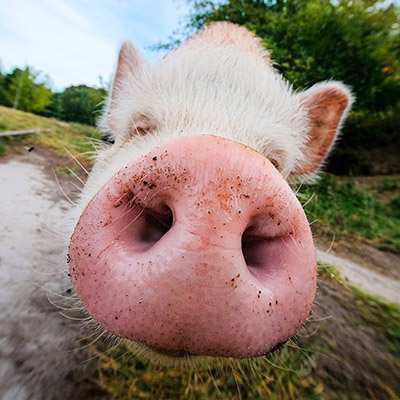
[[326, 105], [128, 64]]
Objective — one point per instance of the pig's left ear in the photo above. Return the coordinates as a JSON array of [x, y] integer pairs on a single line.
[[326, 105], [128, 65]]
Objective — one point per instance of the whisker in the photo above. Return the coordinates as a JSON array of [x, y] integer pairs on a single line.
[[76, 160], [92, 342], [62, 190], [309, 200], [298, 189], [78, 188], [75, 176], [331, 244], [74, 318]]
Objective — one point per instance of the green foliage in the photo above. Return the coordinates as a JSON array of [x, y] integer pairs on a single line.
[[312, 40], [79, 103], [369, 144], [395, 206], [342, 209], [25, 89]]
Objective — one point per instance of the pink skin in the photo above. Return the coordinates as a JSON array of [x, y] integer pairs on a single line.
[[200, 288]]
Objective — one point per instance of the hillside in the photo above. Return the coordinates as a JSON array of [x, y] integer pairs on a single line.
[[77, 138]]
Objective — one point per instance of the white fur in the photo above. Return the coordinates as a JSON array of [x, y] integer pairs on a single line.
[[205, 90]]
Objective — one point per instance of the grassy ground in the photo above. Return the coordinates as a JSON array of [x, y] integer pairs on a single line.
[[350, 209], [76, 138], [349, 349]]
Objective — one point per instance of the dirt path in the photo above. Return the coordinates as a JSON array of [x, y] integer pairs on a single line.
[[37, 187], [33, 334], [364, 278], [30, 209]]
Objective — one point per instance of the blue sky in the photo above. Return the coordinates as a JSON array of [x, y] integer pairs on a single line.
[[76, 41]]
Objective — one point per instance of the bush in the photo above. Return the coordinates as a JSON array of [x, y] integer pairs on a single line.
[[26, 90], [356, 42], [369, 144], [79, 104]]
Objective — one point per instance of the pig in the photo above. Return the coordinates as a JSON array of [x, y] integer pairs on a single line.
[[188, 242]]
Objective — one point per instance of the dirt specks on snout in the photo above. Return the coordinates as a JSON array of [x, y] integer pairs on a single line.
[[233, 281], [150, 185]]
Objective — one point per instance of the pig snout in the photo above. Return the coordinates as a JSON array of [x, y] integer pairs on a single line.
[[198, 248]]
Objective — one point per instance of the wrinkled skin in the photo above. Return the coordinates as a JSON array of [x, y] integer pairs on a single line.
[[189, 241]]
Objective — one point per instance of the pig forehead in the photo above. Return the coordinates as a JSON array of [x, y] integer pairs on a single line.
[[220, 91], [217, 86], [227, 34]]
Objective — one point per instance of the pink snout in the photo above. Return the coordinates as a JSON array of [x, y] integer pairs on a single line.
[[200, 247]]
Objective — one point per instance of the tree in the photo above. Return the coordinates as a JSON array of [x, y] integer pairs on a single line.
[[355, 41], [2, 90], [25, 89], [80, 104]]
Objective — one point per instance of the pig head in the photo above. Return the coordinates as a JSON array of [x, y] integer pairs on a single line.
[[190, 241]]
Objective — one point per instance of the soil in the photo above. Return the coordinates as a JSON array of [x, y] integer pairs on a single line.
[[353, 361]]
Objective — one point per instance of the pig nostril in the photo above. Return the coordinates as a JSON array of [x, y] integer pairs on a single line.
[[254, 248], [156, 223]]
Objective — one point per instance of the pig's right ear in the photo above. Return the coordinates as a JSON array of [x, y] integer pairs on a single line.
[[128, 65], [326, 105]]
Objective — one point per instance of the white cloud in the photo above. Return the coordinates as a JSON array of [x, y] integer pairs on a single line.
[[76, 41]]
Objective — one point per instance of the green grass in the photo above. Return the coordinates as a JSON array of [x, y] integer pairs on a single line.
[[3, 149], [373, 310], [76, 138], [283, 376], [314, 366], [390, 184], [327, 271], [343, 209], [384, 316]]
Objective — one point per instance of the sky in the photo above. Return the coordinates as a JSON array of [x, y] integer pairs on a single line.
[[76, 41]]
